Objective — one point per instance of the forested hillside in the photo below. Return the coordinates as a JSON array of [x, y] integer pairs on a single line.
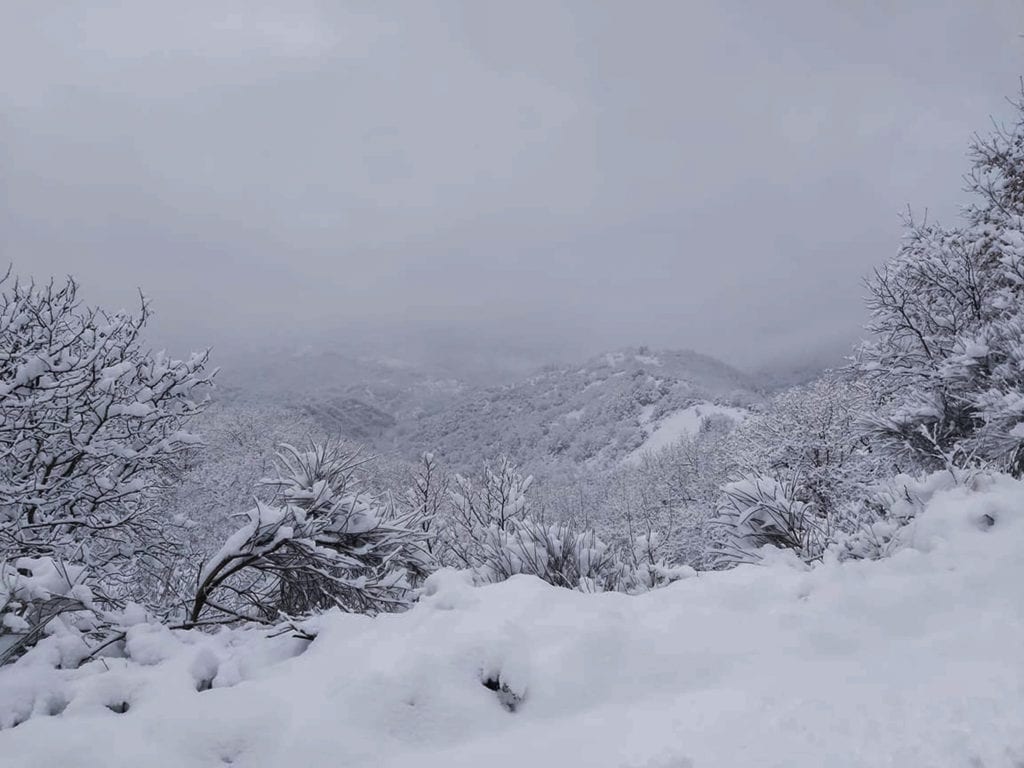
[[594, 414]]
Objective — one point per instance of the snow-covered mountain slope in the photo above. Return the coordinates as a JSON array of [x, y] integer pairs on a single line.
[[915, 660], [340, 389], [597, 413], [685, 422], [611, 407]]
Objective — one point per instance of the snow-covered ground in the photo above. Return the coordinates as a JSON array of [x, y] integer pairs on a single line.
[[914, 660], [682, 423]]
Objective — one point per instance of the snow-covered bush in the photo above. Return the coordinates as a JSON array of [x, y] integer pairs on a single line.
[[33, 593], [811, 435], [492, 528], [649, 568], [320, 544], [559, 554], [760, 511], [50, 617], [92, 426], [896, 502]]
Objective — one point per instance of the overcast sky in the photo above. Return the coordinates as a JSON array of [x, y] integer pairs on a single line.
[[715, 175]]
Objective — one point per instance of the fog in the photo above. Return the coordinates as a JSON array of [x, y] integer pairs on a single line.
[[555, 177]]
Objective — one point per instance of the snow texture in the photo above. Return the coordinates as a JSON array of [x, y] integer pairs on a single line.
[[913, 660], [683, 423]]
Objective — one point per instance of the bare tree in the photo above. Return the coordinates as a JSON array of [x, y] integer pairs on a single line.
[[428, 497], [92, 425], [498, 500]]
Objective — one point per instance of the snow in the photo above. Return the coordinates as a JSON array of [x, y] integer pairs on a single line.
[[40, 578], [682, 423], [644, 418], [914, 660], [648, 359]]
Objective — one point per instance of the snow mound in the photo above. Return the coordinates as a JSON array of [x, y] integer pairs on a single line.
[[915, 660]]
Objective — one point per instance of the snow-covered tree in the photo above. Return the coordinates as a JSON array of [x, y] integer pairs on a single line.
[[320, 544], [802, 472], [948, 319], [428, 498], [92, 426], [494, 502], [811, 434]]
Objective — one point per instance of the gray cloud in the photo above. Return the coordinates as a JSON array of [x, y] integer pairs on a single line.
[[712, 175]]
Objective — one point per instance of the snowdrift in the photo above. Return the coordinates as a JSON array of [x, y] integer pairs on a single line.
[[914, 660]]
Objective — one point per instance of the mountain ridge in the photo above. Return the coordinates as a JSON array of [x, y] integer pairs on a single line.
[[597, 412]]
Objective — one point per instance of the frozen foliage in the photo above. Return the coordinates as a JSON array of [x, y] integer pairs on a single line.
[[240, 443], [480, 509], [807, 473], [92, 426], [33, 593], [320, 544], [812, 434], [766, 511], [488, 527], [428, 499], [559, 554], [665, 499], [650, 568], [912, 660], [896, 502], [45, 598], [947, 312]]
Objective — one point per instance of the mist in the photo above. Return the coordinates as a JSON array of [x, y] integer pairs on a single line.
[[540, 178]]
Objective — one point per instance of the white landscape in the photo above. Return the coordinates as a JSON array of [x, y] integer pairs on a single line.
[[352, 413], [909, 660]]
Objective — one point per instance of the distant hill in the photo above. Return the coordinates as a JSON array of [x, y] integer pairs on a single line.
[[350, 417], [357, 396], [605, 410], [597, 413]]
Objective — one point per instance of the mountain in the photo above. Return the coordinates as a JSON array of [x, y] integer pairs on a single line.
[[356, 396], [598, 413], [605, 410], [349, 417]]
